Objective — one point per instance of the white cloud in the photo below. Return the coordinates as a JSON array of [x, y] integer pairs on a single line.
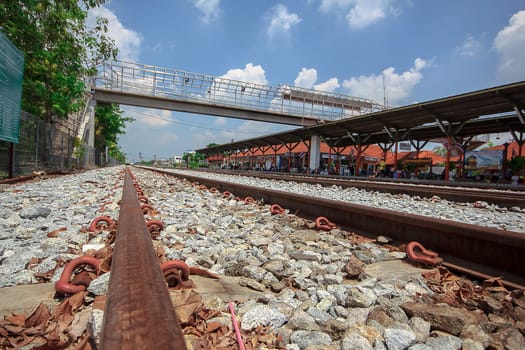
[[249, 129], [281, 21], [202, 137], [360, 13], [245, 130], [398, 86], [510, 48], [306, 78], [220, 121], [250, 74], [327, 5], [470, 47], [149, 118], [209, 8], [366, 12], [127, 40], [166, 138], [330, 85]]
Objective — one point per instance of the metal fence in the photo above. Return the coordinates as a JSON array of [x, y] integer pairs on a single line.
[[48, 147], [11, 77]]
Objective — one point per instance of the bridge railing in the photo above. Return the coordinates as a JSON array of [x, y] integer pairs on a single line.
[[218, 91]]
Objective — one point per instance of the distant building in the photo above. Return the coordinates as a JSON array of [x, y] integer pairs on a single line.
[[177, 160]]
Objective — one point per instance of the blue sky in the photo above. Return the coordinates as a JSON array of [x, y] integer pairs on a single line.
[[423, 49]]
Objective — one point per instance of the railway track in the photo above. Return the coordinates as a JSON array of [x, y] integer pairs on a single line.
[[138, 311], [502, 195], [37, 175], [475, 250]]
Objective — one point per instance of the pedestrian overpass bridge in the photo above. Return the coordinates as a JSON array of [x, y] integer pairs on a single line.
[[170, 89]]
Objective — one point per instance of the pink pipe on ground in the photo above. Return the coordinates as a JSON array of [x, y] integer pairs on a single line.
[[236, 326]]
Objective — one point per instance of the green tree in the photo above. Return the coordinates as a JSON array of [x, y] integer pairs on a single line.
[[193, 160], [115, 153], [212, 145], [109, 123], [60, 51]]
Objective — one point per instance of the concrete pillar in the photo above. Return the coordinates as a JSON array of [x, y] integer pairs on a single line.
[[91, 124], [88, 133], [315, 152], [447, 162]]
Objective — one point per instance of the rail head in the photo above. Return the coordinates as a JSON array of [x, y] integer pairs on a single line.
[[138, 313]]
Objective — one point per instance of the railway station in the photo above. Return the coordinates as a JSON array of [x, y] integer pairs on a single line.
[[456, 119], [342, 233]]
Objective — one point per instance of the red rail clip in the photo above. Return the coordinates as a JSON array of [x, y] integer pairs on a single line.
[[63, 286], [249, 200], [324, 224], [417, 253], [177, 274], [101, 223], [276, 209]]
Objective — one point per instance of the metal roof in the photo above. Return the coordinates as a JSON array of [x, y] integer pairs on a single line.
[[463, 115]]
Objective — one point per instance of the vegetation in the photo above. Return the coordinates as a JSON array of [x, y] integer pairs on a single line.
[[146, 163], [193, 160], [60, 52], [79, 149], [109, 124], [517, 163]]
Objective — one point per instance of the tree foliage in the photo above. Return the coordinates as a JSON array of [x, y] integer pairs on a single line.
[[115, 153], [109, 124], [60, 51], [193, 160]]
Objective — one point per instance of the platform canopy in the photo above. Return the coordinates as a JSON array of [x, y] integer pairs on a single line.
[[492, 110]]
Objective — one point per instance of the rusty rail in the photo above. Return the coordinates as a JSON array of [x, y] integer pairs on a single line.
[[487, 250], [138, 313]]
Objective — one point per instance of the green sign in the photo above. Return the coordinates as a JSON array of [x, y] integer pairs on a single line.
[[11, 77]]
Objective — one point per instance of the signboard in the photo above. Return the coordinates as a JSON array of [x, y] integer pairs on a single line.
[[11, 77], [404, 146], [483, 159]]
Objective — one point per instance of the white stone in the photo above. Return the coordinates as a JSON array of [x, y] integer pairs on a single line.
[[95, 325], [262, 315]]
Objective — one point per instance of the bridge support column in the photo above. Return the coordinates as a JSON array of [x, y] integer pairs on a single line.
[[315, 152], [89, 134], [91, 125]]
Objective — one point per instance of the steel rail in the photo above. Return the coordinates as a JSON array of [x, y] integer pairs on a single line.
[[493, 252], [29, 177], [516, 197], [138, 313]]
